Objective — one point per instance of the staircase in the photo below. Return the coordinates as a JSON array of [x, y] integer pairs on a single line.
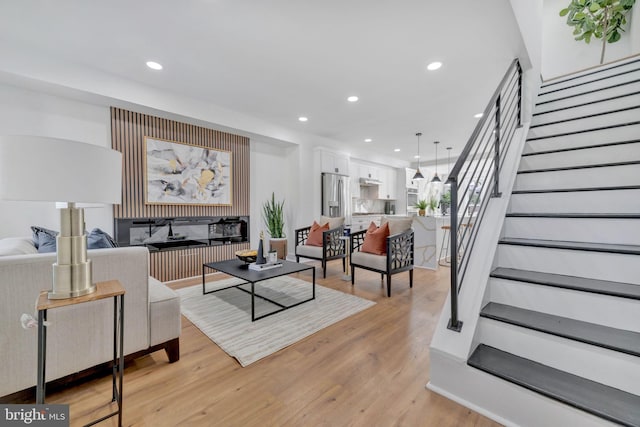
[[561, 315]]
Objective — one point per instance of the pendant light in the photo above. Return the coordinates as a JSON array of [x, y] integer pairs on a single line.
[[418, 174], [436, 178]]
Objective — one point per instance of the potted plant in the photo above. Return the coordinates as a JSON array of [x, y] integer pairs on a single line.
[[421, 205], [445, 202], [433, 204], [273, 216], [602, 19]]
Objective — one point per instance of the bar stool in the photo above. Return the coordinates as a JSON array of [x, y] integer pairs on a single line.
[[443, 248]]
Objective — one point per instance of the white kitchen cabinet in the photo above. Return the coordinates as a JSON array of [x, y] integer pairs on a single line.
[[354, 173], [387, 190], [361, 222], [370, 171], [334, 163]]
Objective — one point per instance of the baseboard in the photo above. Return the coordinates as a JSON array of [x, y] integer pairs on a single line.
[[470, 405]]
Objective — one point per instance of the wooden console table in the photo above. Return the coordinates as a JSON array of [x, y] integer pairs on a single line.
[[113, 289]]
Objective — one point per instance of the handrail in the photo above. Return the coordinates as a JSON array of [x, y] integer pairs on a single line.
[[474, 178]]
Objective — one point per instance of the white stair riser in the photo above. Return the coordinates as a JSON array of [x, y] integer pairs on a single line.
[[618, 201], [588, 97], [610, 176], [614, 312], [592, 265], [615, 231], [608, 367], [585, 110], [588, 76], [622, 133], [546, 96], [591, 156], [586, 123]]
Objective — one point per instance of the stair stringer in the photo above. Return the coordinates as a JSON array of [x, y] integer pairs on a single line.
[[457, 345]]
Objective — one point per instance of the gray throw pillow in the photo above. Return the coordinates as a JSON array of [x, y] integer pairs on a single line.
[[44, 239], [98, 239]]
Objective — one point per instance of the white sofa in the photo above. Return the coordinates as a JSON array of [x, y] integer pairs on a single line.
[[80, 336]]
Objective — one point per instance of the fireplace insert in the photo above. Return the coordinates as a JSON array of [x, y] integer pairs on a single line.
[[170, 233]]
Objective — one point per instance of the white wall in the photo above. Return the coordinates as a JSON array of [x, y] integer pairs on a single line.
[[561, 54], [35, 113], [529, 15], [634, 30]]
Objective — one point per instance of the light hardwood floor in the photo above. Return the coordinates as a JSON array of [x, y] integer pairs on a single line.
[[367, 370]]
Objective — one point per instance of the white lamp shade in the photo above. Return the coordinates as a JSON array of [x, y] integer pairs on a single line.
[[39, 168]]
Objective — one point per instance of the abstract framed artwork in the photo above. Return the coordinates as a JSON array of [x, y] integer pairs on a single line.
[[176, 173]]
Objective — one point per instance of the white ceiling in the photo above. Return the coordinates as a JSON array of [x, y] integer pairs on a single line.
[[278, 59]]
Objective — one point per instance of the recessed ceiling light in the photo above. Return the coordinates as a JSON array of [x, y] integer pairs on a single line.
[[154, 65], [396, 149], [368, 140], [434, 66], [303, 119], [352, 98], [416, 157], [477, 116]]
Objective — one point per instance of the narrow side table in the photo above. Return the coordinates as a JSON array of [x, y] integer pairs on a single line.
[[347, 250], [113, 289]]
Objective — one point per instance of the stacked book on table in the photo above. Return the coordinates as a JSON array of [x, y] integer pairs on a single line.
[[263, 267]]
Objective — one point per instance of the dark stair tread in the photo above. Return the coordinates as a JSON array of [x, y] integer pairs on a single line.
[[586, 116], [590, 333], [582, 74], [579, 246], [577, 167], [574, 215], [605, 287], [582, 147], [581, 131], [598, 399], [571, 190], [584, 104], [588, 92]]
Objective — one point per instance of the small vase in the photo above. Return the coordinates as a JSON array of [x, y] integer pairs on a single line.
[[260, 258], [421, 212]]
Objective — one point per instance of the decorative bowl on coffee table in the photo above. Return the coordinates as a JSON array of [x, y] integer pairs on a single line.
[[247, 255]]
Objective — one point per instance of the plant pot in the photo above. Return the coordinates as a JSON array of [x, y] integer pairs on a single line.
[[421, 212], [280, 246]]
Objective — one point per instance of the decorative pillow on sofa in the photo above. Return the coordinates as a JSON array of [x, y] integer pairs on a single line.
[[315, 235], [44, 239], [375, 240], [98, 239]]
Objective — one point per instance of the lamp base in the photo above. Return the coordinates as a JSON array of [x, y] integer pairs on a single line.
[[71, 294], [71, 280], [72, 272]]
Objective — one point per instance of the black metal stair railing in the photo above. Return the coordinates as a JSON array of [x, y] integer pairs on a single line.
[[474, 179]]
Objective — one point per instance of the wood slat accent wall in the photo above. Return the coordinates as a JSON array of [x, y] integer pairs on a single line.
[[128, 130]]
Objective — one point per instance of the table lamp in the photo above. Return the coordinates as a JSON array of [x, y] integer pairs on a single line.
[[35, 168]]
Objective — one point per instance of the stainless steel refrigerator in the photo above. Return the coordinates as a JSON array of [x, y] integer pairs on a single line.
[[336, 200]]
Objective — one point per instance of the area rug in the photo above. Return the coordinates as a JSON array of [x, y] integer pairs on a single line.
[[225, 316]]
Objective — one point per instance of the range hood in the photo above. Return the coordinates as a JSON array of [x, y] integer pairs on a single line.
[[369, 182]]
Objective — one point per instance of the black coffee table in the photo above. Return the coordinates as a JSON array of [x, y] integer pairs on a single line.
[[240, 270]]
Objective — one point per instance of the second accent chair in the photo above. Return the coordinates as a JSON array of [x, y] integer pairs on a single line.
[[387, 249], [322, 242]]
